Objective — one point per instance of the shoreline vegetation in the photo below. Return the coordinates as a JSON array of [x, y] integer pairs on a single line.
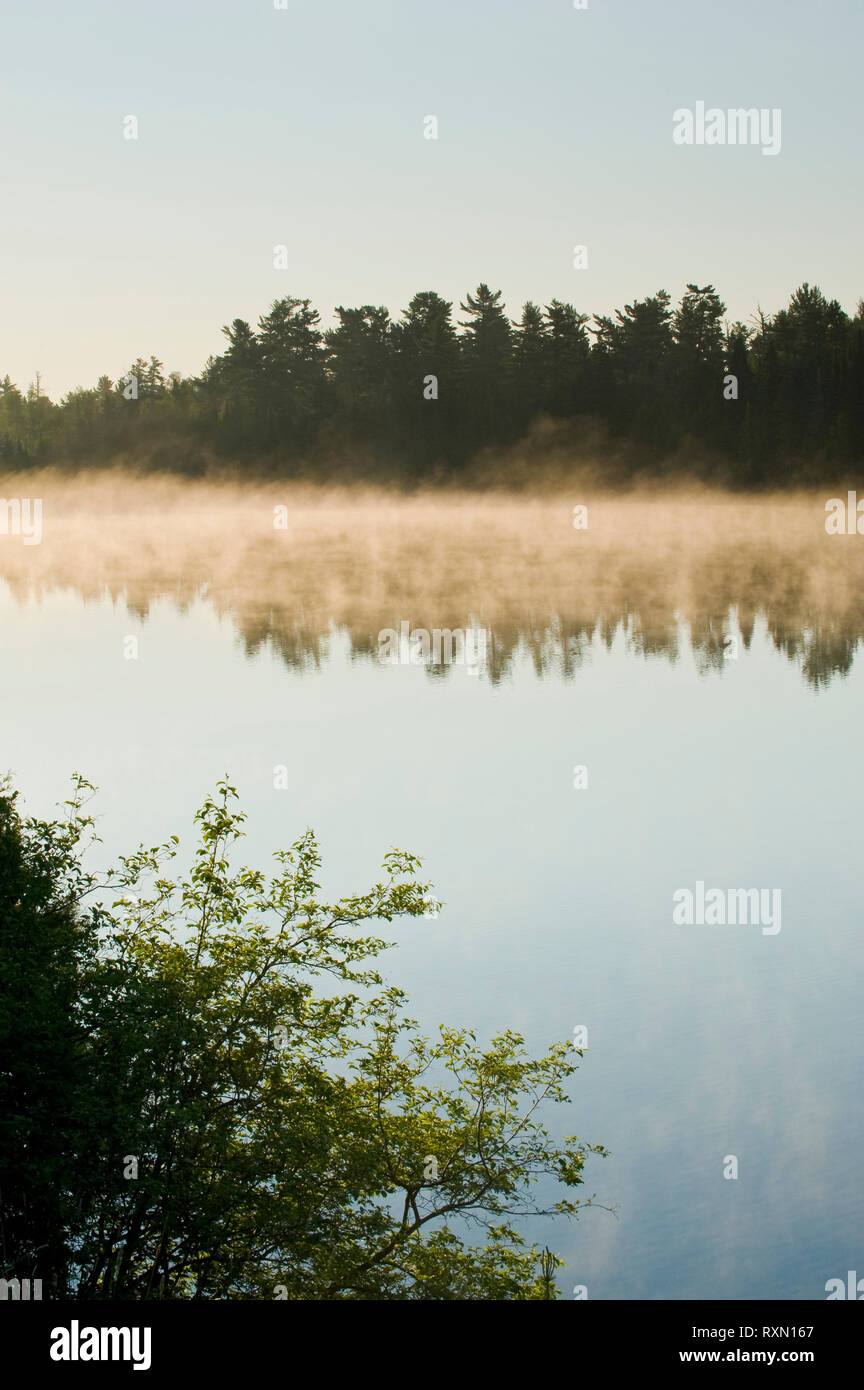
[[232, 1102], [435, 399]]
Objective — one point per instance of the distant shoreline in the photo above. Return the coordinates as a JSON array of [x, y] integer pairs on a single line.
[[655, 390]]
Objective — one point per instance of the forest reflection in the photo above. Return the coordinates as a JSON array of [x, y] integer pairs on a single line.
[[291, 565]]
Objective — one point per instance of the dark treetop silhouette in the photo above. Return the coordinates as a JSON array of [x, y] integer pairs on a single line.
[[415, 399]]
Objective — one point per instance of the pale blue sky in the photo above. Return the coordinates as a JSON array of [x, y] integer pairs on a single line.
[[305, 127]]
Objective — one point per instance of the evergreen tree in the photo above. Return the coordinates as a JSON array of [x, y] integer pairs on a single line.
[[359, 370], [697, 327], [292, 374], [427, 383], [530, 363], [487, 356], [568, 346]]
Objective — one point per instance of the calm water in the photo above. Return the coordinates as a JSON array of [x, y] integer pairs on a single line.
[[741, 770]]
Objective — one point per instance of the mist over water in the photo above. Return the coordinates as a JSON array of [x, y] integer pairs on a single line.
[[669, 569]]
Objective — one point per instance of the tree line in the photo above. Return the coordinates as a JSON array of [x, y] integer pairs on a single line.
[[778, 400]]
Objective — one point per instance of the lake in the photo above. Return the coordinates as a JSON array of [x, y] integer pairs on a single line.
[[666, 696]]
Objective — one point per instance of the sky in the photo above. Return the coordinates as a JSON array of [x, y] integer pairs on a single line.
[[303, 127]]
